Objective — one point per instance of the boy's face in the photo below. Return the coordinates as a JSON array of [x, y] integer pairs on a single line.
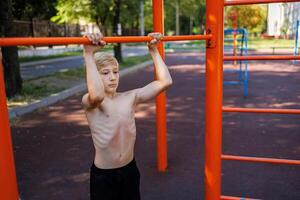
[[110, 78]]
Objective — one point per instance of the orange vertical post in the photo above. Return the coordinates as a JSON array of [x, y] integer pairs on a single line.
[[213, 99], [8, 180], [161, 124]]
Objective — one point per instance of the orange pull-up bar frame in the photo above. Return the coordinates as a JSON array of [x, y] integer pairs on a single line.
[[261, 110], [8, 179], [25, 41], [286, 57], [161, 113]]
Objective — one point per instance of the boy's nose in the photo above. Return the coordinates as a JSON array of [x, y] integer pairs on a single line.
[[112, 76]]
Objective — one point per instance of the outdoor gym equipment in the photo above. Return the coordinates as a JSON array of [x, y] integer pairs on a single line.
[[237, 43], [296, 50], [213, 97]]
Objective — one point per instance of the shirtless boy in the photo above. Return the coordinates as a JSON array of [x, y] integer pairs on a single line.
[[110, 114]]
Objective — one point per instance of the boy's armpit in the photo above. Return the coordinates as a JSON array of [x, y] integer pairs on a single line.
[[86, 102]]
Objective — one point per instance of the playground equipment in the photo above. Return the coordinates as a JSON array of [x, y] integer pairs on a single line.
[[213, 108], [296, 50], [237, 43]]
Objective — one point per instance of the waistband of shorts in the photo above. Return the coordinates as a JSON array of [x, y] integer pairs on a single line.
[[100, 170]]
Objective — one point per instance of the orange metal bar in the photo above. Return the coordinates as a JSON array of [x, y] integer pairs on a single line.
[[246, 2], [161, 123], [8, 179], [82, 40], [213, 99], [235, 198], [257, 110], [291, 57], [263, 160]]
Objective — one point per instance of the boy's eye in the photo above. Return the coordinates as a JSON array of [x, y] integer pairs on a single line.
[[104, 73], [115, 72]]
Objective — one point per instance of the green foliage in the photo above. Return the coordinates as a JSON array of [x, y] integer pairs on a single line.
[[190, 11], [192, 14], [148, 16], [251, 17], [71, 11], [132, 9], [102, 12]]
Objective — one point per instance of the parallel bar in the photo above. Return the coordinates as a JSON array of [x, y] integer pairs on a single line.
[[262, 160], [291, 57], [247, 2], [24, 41], [8, 179], [257, 110], [223, 197], [161, 115], [213, 99]]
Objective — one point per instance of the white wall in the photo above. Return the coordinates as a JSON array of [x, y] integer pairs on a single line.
[[278, 12]]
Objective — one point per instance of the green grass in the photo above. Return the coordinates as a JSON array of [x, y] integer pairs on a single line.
[[61, 55], [185, 46], [41, 87], [37, 58], [130, 61], [257, 43]]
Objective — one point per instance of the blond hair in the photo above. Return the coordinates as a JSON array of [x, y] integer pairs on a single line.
[[104, 59]]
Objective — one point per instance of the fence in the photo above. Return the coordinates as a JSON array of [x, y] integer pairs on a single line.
[[38, 28]]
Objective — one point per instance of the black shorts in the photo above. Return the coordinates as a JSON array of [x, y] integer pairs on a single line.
[[115, 184]]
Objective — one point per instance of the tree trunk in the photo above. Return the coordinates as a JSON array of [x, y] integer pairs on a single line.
[[117, 27], [142, 18], [177, 18], [12, 76]]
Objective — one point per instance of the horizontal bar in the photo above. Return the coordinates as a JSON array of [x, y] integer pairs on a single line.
[[247, 2], [261, 110], [262, 160], [291, 57], [27, 41], [232, 83], [223, 197]]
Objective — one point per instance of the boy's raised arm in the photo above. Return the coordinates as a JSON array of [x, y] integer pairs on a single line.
[[95, 87], [163, 76]]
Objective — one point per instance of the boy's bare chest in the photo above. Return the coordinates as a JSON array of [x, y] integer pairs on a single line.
[[116, 108]]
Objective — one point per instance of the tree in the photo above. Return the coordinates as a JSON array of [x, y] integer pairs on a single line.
[[251, 17], [12, 76], [29, 9], [102, 14], [117, 29], [105, 13], [184, 16], [71, 11]]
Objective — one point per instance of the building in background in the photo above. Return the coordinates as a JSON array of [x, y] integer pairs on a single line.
[[282, 18]]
